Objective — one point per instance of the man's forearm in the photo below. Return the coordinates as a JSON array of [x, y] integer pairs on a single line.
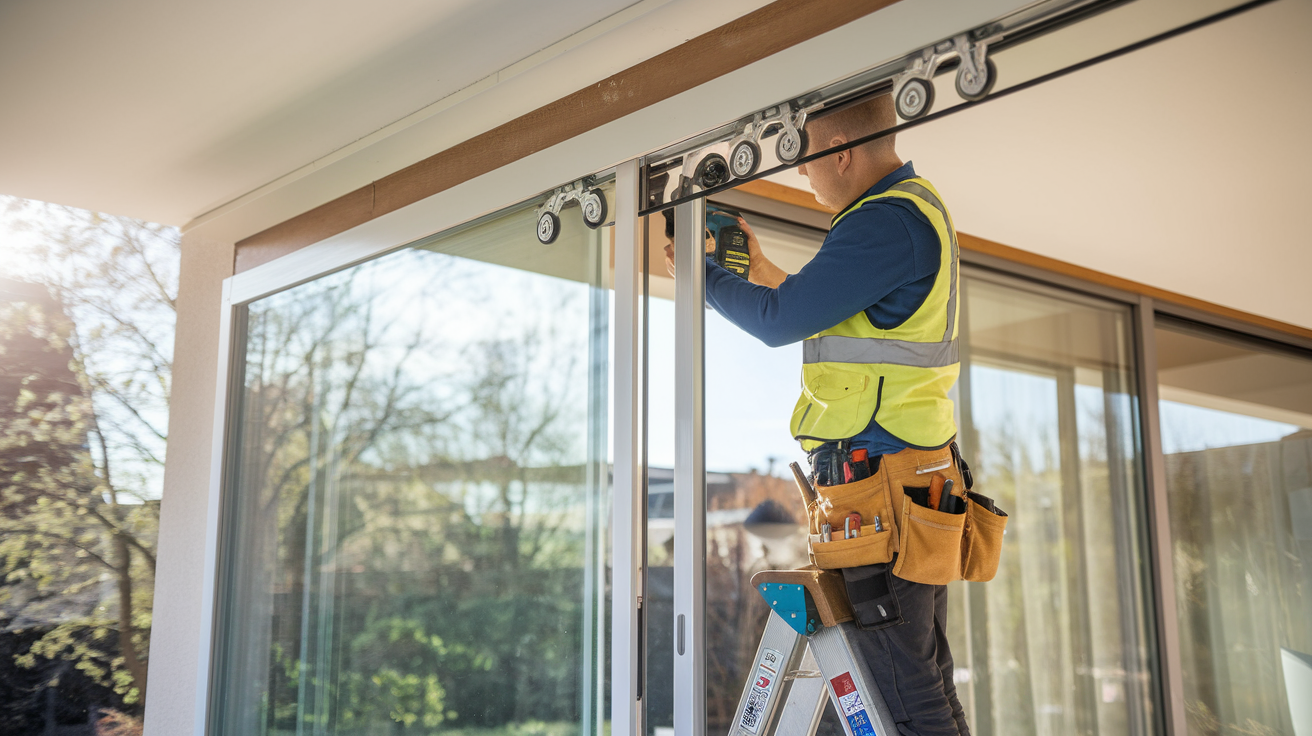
[[765, 273]]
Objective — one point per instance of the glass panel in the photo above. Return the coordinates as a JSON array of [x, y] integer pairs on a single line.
[[754, 514], [1057, 643], [658, 600], [414, 525], [1237, 435], [748, 449]]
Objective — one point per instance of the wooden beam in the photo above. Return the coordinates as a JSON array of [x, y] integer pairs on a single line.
[[1016, 255], [761, 33], [793, 196], [782, 193]]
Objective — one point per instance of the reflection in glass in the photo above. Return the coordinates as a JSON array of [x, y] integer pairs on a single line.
[[1237, 434], [1057, 643], [417, 499]]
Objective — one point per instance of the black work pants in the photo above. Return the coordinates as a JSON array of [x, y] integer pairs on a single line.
[[912, 664]]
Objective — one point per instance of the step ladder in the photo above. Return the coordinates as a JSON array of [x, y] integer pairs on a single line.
[[806, 655]]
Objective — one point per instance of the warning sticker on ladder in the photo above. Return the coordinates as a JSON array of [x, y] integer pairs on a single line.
[[767, 672], [849, 700]]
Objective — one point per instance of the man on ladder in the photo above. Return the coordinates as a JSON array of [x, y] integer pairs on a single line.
[[890, 510]]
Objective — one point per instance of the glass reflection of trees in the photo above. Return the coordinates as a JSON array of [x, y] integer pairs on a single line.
[[412, 501], [1057, 643]]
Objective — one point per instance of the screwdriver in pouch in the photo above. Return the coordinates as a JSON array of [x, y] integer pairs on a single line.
[[852, 525]]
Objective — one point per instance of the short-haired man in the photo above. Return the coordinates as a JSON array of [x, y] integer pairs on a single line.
[[878, 306]]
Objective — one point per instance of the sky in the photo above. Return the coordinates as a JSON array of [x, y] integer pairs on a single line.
[[750, 392], [143, 480], [12, 244]]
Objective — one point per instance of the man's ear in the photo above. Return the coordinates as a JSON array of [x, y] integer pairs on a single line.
[[843, 159]]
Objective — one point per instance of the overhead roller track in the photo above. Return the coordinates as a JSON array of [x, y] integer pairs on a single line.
[[774, 138]]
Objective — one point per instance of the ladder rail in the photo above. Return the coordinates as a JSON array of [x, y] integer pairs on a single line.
[[780, 653], [860, 704], [794, 675], [806, 699]]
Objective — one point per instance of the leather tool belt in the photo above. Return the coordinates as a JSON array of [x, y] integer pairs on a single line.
[[917, 507]]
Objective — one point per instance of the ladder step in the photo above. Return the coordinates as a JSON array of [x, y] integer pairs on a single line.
[[827, 591]]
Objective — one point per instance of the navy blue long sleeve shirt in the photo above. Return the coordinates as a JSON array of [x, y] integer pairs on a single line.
[[880, 259]]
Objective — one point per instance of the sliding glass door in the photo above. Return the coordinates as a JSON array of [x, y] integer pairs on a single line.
[[1236, 421], [418, 494], [1060, 642]]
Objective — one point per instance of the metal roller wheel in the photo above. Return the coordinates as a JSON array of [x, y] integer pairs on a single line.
[[548, 228], [914, 99], [744, 160], [790, 146], [593, 204], [711, 172], [974, 87]]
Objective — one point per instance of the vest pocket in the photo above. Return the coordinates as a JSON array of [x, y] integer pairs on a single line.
[[981, 547], [835, 404], [930, 545]]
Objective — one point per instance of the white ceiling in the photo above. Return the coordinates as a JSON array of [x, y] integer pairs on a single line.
[[1186, 165], [164, 110]]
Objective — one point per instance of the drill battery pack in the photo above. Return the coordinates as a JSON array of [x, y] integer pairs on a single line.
[[731, 250]]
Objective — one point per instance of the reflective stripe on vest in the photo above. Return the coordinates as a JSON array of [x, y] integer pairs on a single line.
[[854, 371], [842, 349]]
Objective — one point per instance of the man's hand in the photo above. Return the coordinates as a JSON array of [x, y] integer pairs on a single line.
[[762, 271], [669, 252]]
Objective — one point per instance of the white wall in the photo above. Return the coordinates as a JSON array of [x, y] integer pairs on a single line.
[[174, 638]]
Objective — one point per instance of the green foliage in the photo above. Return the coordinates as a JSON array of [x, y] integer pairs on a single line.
[[86, 356]]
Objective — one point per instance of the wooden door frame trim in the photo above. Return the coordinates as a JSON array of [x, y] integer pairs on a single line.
[[750, 38], [1167, 301]]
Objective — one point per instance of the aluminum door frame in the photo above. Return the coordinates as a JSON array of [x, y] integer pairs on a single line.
[[689, 470]]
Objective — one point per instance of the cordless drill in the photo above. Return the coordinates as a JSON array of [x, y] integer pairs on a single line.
[[730, 240]]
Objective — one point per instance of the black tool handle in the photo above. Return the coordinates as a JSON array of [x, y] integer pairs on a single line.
[[945, 500]]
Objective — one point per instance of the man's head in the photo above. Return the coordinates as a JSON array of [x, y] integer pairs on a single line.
[[840, 178]]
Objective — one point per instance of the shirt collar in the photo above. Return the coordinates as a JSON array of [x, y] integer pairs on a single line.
[[901, 173]]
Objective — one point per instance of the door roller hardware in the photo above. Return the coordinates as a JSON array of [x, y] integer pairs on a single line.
[[769, 139], [913, 87], [591, 201], [775, 137]]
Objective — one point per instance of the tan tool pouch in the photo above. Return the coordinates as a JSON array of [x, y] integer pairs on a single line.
[[931, 545], [981, 547], [868, 497], [929, 541]]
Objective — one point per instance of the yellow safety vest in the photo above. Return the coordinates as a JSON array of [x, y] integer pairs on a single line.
[[854, 371]]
